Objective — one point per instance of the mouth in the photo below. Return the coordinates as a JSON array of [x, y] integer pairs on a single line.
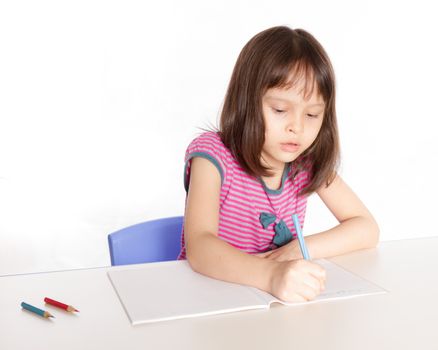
[[290, 147]]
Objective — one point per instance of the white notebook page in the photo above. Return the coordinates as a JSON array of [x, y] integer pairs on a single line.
[[171, 290]]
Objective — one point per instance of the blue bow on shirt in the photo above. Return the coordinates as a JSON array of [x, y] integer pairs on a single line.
[[282, 233]]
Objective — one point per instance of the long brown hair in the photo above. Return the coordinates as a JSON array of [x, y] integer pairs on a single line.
[[265, 62]]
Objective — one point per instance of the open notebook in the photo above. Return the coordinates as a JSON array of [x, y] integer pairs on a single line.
[[171, 290]]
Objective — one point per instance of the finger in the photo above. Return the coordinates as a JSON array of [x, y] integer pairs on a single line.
[[278, 257], [313, 283], [274, 254], [322, 286], [294, 298], [271, 253], [298, 299], [262, 255], [308, 292], [318, 271]]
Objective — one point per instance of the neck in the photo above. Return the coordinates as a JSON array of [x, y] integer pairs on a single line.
[[273, 182]]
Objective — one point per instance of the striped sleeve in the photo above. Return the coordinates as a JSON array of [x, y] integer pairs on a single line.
[[209, 146]]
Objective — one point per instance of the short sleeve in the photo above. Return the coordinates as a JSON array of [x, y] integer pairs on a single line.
[[209, 146]]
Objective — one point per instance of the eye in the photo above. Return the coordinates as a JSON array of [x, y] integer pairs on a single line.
[[312, 115], [278, 111]]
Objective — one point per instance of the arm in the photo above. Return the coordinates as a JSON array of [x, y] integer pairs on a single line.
[[211, 256], [357, 228]]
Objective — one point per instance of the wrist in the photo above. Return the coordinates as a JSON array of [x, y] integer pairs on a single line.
[[268, 272]]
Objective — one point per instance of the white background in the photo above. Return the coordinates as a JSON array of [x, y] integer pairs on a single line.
[[99, 99]]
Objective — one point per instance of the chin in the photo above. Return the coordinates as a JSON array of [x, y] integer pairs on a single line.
[[289, 158], [285, 160]]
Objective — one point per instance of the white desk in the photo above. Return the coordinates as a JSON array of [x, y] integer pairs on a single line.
[[405, 318]]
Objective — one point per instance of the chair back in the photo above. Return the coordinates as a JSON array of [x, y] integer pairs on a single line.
[[150, 241]]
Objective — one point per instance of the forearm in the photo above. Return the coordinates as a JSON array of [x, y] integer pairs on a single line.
[[211, 256], [352, 234]]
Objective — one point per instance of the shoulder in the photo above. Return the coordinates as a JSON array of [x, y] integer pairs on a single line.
[[209, 145], [206, 141]]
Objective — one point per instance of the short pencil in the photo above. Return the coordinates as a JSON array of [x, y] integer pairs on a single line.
[[35, 310], [63, 306]]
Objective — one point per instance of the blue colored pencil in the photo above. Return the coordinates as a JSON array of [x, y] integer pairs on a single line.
[[35, 310], [300, 237]]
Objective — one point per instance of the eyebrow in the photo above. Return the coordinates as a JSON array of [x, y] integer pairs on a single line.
[[286, 100]]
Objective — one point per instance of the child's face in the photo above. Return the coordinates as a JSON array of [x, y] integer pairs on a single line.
[[292, 123]]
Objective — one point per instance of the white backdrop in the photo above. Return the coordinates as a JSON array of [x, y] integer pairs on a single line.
[[99, 99]]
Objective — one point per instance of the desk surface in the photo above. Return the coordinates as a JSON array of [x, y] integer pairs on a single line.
[[404, 318]]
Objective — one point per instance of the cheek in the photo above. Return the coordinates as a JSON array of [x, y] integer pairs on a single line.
[[271, 132], [270, 136], [269, 127], [312, 133], [315, 134], [273, 125]]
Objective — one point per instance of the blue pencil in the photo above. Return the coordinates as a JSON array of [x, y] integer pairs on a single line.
[[300, 237], [35, 310]]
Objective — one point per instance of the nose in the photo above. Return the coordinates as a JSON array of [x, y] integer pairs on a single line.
[[295, 124]]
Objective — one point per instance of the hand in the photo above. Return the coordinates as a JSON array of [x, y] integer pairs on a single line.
[[297, 281], [288, 252]]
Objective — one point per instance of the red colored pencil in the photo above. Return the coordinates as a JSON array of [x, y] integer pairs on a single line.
[[66, 307]]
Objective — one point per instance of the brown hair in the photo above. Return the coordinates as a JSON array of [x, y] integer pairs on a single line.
[[268, 60]]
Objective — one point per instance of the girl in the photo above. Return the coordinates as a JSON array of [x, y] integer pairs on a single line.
[[277, 143]]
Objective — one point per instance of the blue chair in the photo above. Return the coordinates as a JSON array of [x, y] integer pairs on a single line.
[[150, 241]]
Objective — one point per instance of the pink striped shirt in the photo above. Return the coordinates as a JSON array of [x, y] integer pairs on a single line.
[[243, 198]]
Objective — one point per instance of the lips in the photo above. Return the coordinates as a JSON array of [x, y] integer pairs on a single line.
[[289, 147]]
